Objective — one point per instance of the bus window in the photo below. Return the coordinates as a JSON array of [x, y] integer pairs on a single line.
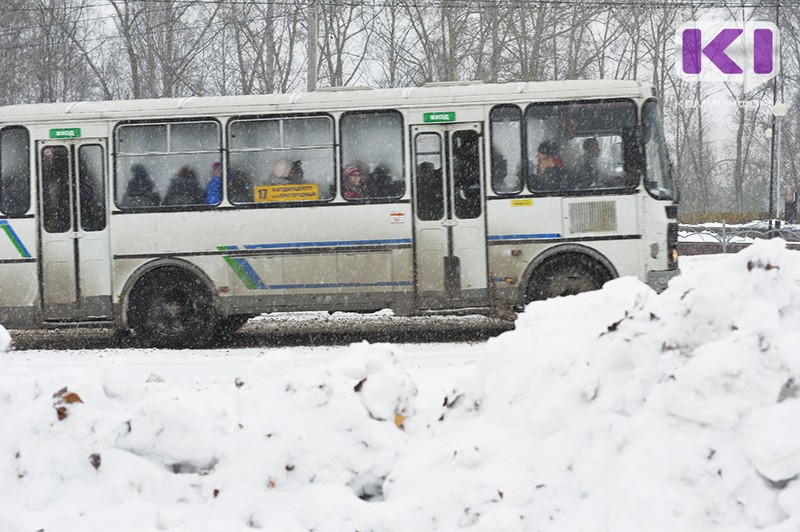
[[506, 152], [55, 189], [281, 159], [91, 184], [659, 175], [581, 146], [372, 142], [429, 184], [15, 189], [466, 174], [166, 163]]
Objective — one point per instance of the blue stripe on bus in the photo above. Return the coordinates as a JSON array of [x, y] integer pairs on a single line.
[[248, 270], [534, 236], [337, 285], [15, 240], [251, 273], [332, 243]]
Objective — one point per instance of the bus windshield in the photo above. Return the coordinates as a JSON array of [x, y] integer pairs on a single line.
[[658, 174]]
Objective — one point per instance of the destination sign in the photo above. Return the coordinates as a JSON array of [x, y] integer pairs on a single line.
[[300, 192]]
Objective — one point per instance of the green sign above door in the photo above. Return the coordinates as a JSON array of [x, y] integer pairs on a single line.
[[66, 133], [446, 116]]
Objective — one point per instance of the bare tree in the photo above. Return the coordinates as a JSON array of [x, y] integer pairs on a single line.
[[346, 34], [391, 52]]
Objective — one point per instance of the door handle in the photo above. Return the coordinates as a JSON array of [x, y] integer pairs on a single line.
[[449, 223]]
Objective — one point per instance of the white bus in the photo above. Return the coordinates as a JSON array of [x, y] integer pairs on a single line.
[[179, 219]]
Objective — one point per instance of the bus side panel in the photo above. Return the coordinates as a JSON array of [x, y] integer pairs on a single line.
[[344, 257], [522, 229], [19, 292]]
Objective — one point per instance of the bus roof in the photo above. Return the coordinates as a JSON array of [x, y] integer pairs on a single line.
[[330, 99]]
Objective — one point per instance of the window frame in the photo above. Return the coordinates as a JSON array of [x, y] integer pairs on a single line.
[[26, 178], [403, 162], [116, 154], [527, 192], [634, 144], [280, 116], [79, 182], [664, 158], [522, 149]]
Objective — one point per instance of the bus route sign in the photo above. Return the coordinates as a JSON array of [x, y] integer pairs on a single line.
[[447, 116], [295, 192], [66, 133]]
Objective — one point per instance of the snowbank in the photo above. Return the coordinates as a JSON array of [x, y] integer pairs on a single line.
[[618, 410]]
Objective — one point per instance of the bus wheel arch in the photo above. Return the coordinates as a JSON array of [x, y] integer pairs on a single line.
[[170, 303], [566, 270]]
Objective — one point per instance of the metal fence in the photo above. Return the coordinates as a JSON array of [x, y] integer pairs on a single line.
[[708, 239]]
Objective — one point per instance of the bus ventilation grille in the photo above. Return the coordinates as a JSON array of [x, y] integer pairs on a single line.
[[592, 217]]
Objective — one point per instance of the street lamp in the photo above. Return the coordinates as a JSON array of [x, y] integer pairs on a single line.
[[779, 110]]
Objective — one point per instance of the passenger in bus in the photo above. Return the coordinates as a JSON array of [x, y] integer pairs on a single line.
[[550, 173], [140, 191], [588, 175], [280, 172], [296, 174], [214, 186], [185, 189], [381, 184], [430, 196], [92, 208], [240, 187], [355, 183]]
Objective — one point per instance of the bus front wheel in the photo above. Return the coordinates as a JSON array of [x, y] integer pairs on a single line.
[[170, 307], [566, 275]]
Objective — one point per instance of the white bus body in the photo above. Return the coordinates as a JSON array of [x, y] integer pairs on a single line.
[[420, 200]]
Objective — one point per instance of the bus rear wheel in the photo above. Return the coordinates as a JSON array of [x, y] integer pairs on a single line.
[[566, 275], [172, 308]]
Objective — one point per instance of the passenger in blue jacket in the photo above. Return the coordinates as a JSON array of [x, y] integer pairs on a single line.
[[214, 186]]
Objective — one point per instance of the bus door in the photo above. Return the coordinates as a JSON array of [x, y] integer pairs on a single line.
[[449, 216], [75, 261]]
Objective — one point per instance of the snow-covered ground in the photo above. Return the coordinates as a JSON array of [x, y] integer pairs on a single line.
[[618, 410]]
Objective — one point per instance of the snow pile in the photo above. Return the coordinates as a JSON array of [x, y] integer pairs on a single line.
[[622, 410], [618, 410], [86, 450]]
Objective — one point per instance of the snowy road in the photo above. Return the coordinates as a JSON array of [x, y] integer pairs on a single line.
[[434, 366], [434, 348]]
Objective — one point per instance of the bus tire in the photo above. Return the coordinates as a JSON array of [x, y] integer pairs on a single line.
[[170, 307], [564, 275]]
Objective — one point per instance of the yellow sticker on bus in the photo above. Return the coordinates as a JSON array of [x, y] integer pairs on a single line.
[[273, 193], [522, 202]]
